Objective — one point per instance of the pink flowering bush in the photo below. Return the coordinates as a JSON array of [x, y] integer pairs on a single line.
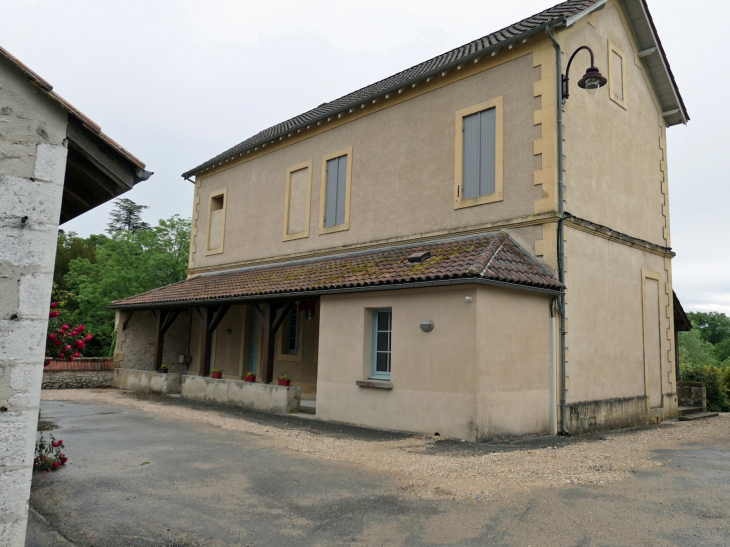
[[48, 455], [63, 342]]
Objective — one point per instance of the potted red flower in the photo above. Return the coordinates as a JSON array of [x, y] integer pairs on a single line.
[[163, 369], [250, 377], [216, 373], [284, 380]]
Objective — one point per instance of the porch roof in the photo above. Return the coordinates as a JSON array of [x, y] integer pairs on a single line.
[[488, 258]]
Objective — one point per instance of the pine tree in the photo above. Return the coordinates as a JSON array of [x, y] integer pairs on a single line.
[[126, 216]]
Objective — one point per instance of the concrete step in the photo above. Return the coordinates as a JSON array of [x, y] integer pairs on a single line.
[[308, 406], [697, 416], [685, 410]]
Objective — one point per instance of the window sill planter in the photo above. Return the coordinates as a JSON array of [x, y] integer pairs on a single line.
[[378, 384], [249, 378], [218, 375], [284, 382], [162, 371]]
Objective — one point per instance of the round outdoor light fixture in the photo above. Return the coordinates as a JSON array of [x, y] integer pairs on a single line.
[[229, 331], [592, 81], [426, 326]]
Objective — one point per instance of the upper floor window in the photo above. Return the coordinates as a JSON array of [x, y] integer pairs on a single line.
[[616, 75], [216, 222], [479, 154], [382, 338], [297, 196], [335, 192]]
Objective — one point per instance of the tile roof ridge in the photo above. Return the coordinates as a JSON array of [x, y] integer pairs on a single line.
[[481, 264]]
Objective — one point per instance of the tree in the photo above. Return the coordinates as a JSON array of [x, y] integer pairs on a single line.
[[695, 351], [714, 326], [126, 215], [128, 263], [70, 246]]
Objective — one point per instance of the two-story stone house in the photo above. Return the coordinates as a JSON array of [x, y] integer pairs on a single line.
[[395, 251]]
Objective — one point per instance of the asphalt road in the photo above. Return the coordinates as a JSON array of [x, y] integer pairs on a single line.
[[138, 479]]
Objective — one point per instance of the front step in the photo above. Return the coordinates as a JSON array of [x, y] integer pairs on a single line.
[[686, 410], [696, 416]]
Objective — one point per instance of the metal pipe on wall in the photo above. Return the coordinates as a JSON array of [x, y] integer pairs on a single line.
[[553, 372], [561, 228]]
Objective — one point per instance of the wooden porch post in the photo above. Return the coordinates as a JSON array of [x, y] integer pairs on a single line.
[[212, 316], [272, 320], [159, 339], [165, 319]]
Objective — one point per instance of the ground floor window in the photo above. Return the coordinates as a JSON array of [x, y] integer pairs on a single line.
[[290, 338], [382, 334]]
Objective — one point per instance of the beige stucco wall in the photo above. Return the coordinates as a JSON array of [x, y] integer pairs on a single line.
[[605, 337], [481, 372], [614, 155], [402, 171], [512, 363]]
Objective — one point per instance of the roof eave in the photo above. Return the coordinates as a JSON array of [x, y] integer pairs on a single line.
[[447, 67], [344, 290]]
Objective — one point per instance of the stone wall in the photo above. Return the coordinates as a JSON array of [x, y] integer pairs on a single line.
[[136, 343], [76, 379], [589, 416], [249, 395], [145, 381], [692, 394], [32, 167]]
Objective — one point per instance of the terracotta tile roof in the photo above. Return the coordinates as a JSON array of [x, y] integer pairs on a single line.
[[446, 60], [493, 257]]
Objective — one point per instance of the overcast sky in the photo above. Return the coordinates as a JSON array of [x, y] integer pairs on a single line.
[[179, 82]]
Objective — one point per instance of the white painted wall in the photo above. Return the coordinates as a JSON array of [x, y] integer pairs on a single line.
[[32, 166]]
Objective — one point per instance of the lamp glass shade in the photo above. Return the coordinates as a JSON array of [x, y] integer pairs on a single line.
[[593, 85]]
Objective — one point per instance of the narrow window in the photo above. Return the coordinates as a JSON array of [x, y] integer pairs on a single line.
[[479, 153], [334, 213], [216, 223], [297, 195], [618, 87], [382, 334], [291, 335]]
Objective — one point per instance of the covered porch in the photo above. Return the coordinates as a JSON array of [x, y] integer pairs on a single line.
[[265, 338]]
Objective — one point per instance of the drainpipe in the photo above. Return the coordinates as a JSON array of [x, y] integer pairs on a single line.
[[553, 372], [561, 228]]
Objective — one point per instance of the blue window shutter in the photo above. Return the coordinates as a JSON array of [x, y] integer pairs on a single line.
[[488, 151], [341, 189], [330, 210], [479, 153], [472, 149]]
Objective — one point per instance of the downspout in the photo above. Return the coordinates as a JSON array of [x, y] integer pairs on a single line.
[[553, 372], [561, 237]]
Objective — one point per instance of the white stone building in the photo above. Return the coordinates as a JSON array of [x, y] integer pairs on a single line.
[[55, 164]]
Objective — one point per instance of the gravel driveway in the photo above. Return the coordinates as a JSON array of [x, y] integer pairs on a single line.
[[161, 471]]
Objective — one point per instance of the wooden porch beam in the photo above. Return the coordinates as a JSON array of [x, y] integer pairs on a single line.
[[169, 320], [126, 321]]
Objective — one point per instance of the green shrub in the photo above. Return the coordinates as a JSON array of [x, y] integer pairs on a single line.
[[717, 384]]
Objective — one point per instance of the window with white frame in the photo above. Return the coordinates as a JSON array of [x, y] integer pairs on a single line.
[[382, 338]]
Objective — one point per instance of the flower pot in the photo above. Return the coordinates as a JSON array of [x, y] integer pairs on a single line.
[[284, 382], [249, 378], [162, 371], [216, 375]]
